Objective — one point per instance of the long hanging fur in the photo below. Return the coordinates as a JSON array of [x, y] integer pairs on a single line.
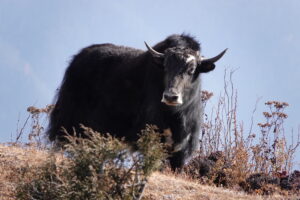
[[118, 89]]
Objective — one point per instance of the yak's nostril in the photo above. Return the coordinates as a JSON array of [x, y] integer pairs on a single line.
[[171, 98]]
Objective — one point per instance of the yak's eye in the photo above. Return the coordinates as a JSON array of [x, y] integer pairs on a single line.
[[191, 70]]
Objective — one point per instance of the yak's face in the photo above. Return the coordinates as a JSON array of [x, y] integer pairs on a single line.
[[179, 67], [182, 67]]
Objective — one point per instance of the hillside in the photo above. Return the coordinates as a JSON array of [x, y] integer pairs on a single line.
[[166, 186]]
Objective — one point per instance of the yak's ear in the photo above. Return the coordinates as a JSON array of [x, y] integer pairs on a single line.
[[158, 60], [205, 67], [208, 64], [158, 57]]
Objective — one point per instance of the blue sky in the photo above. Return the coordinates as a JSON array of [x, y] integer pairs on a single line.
[[39, 38]]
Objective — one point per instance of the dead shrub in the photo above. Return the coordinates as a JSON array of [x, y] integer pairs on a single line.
[[246, 155], [97, 167]]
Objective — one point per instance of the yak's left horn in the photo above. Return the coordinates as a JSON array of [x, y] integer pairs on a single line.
[[214, 59]]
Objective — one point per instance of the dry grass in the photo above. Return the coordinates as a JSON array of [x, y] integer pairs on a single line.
[[169, 187], [262, 150], [13, 160], [244, 153]]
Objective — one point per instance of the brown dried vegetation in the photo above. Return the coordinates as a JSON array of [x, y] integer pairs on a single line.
[[250, 161], [258, 162]]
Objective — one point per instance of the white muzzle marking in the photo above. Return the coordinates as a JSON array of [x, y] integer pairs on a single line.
[[178, 102]]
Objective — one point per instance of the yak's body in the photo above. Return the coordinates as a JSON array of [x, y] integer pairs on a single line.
[[118, 90]]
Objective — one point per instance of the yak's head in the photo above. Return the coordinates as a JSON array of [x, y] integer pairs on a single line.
[[182, 67]]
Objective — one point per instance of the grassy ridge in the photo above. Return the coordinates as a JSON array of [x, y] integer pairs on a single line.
[[229, 156], [166, 185]]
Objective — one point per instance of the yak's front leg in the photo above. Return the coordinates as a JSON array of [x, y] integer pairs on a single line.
[[185, 143]]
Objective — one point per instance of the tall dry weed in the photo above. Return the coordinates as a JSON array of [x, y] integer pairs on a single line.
[[265, 150]]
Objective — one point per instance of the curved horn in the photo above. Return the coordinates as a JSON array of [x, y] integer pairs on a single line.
[[153, 52], [214, 59]]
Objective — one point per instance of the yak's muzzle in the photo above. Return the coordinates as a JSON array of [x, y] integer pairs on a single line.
[[172, 99]]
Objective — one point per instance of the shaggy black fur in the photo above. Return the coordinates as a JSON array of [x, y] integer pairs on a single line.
[[118, 89]]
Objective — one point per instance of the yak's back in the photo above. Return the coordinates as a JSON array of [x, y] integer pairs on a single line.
[[95, 79]]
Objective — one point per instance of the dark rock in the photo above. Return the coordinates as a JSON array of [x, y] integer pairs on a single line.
[[291, 182], [256, 181]]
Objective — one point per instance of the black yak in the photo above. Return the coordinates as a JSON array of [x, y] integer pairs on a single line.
[[119, 90]]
